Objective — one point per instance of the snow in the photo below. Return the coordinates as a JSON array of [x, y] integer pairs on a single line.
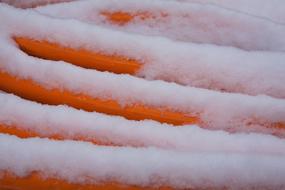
[[217, 110], [199, 23], [272, 10], [224, 68], [71, 123], [80, 162], [220, 61], [31, 3]]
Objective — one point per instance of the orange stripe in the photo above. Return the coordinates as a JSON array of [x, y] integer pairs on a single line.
[[30, 90], [21, 133], [121, 18], [34, 181], [79, 57], [33, 4], [124, 17], [24, 133]]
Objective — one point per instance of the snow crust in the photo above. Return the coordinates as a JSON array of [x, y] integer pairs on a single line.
[[80, 162]]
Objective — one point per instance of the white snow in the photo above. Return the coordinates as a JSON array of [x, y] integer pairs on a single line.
[[220, 61], [70, 124], [218, 110], [31, 3], [272, 10], [199, 23], [205, 66], [80, 162]]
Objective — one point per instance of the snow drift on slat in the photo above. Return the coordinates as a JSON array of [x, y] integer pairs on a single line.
[[27, 119], [31, 3], [84, 163], [223, 68], [33, 91], [200, 23], [213, 109], [271, 10]]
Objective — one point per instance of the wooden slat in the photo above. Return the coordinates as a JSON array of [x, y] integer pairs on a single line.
[[30, 90], [79, 57], [35, 181], [24, 133], [122, 18]]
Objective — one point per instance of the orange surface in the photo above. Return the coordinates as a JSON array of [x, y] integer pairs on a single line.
[[79, 57], [122, 18], [33, 91], [23, 133], [34, 181], [33, 4]]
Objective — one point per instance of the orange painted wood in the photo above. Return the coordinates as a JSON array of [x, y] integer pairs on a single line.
[[34, 181], [122, 18], [33, 4], [32, 91], [21, 133], [24, 133], [79, 57]]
